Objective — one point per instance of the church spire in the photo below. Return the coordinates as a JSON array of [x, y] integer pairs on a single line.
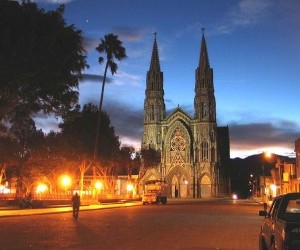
[[154, 105], [155, 65], [203, 60], [204, 102]]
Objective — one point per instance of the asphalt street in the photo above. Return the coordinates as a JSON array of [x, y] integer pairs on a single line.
[[181, 224]]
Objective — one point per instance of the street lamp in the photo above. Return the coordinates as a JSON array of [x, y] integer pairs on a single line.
[[129, 188], [65, 181], [41, 188], [98, 185], [265, 200], [265, 155]]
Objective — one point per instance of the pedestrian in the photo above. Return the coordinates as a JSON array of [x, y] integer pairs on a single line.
[[76, 205]]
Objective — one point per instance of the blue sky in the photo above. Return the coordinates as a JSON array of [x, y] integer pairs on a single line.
[[253, 47]]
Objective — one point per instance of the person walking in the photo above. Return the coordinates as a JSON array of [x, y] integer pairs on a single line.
[[76, 205]]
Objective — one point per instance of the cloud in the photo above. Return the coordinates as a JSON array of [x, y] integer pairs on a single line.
[[128, 33], [190, 29], [54, 1], [122, 78], [263, 135], [46, 122], [90, 44], [246, 13], [94, 78], [128, 122], [245, 139]]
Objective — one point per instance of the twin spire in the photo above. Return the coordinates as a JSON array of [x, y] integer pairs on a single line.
[[203, 59], [204, 101]]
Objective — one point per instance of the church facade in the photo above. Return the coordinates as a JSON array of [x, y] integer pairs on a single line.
[[193, 150]]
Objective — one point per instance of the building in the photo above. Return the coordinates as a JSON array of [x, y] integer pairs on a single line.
[[194, 151], [285, 176], [297, 152]]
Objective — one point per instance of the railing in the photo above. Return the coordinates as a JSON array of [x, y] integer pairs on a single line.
[[36, 196]]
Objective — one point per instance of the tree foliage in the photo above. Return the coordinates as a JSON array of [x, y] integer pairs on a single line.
[[151, 158], [78, 132], [129, 161], [41, 59]]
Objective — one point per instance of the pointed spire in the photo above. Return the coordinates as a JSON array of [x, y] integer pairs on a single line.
[[155, 65], [203, 61]]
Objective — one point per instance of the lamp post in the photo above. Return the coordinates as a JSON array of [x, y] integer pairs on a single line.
[[265, 200]]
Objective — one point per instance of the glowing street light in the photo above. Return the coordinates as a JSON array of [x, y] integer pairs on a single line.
[[129, 187], [268, 154], [274, 189], [98, 185], [65, 181], [41, 188]]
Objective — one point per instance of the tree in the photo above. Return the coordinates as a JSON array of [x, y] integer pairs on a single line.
[[114, 50], [150, 158], [77, 133], [8, 155], [41, 59], [128, 160], [25, 155]]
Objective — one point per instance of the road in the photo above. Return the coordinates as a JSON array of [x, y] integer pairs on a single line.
[[182, 224]]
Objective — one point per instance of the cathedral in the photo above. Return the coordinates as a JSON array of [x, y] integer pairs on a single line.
[[194, 150]]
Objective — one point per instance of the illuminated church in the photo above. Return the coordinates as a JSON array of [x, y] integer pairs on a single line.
[[194, 150]]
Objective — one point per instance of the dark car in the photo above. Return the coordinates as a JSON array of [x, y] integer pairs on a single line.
[[281, 225]]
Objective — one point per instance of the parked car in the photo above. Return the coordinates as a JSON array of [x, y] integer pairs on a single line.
[[281, 225]]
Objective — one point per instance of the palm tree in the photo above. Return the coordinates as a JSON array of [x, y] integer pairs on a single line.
[[113, 49]]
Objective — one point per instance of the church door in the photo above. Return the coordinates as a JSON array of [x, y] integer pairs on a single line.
[[205, 187], [183, 187], [175, 187]]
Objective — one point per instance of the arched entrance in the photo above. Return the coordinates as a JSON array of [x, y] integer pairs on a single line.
[[179, 188], [183, 187], [205, 187], [175, 187]]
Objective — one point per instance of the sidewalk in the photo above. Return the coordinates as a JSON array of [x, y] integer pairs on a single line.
[[259, 200], [13, 211]]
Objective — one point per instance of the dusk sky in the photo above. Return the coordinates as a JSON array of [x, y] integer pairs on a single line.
[[253, 48]]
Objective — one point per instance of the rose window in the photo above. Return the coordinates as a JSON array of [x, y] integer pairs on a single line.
[[178, 142]]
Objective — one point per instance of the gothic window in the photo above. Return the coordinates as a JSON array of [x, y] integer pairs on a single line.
[[202, 82], [151, 113], [212, 135], [178, 142], [204, 151], [158, 114], [158, 138], [178, 147], [204, 109], [213, 154], [211, 111], [196, 155]]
